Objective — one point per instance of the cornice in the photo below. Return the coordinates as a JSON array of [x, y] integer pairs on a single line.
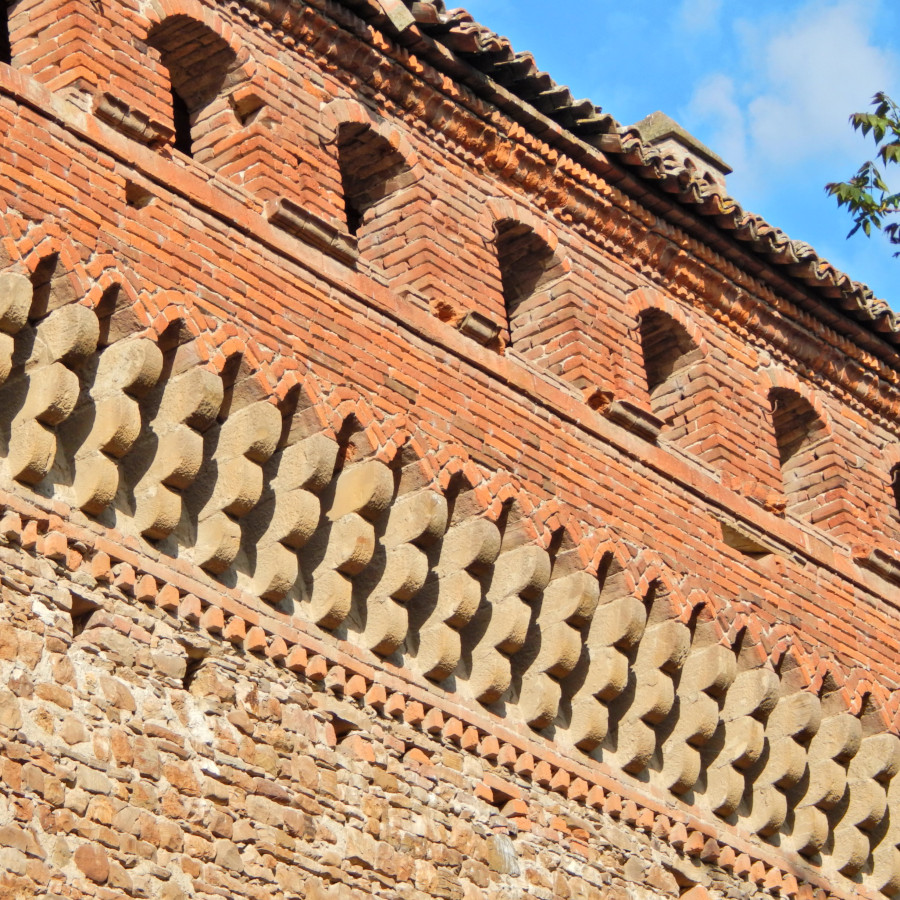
[[223, 201]]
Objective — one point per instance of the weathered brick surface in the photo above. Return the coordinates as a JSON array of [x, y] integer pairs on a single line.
[[393, 503]]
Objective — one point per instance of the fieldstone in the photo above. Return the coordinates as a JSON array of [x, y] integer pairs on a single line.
[[44, 720], [228, 856], [10, 713], [501, 855], [13, 861], [102, 809], [289, 878], [361, 848], [447, 886], [77, 801], [662, 880], [635, 870], [118, 647], [215, 791], [30, 650], [72, 731], [146, 758], [53, 693], [60, 852], [171, 836], [262, 810], [149, 832], [92, 859], [476, 872], [101, 744], [272, 789], [128, 820], [220, 824], [181, 776], [119, 878], [145, 796], [385, 781], [117, 694], [22, 685], [243, 830], [266, 758], [20, 839], [9, 643], [121, 748], [169, 664], [54, 791], [93, 781], [64, 672], [241, 720]]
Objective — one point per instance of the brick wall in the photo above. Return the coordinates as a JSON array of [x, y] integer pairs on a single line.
[[393, 504]]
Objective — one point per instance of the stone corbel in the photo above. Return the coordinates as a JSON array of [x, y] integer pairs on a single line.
[[878, 561], [635, 419], [132, 123], [300, 222]]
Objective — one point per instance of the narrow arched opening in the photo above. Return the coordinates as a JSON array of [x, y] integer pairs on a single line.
[[800, 435], [199, 63], [669, 353], [371, 171], [526, 265], [895, 486], [5, 41], [181, 122]]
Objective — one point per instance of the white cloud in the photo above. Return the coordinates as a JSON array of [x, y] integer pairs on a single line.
[[802, 77], [699, 15], [820, 72], [715, 100]]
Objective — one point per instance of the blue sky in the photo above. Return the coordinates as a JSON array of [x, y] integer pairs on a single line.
[[768, 86]]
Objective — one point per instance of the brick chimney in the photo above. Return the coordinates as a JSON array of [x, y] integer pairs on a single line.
[[659, 130]]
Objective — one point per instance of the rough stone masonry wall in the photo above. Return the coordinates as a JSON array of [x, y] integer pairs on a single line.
[[247, 456], [145, 757]]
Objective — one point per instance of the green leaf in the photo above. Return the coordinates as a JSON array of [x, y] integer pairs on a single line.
[[867, 194]]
